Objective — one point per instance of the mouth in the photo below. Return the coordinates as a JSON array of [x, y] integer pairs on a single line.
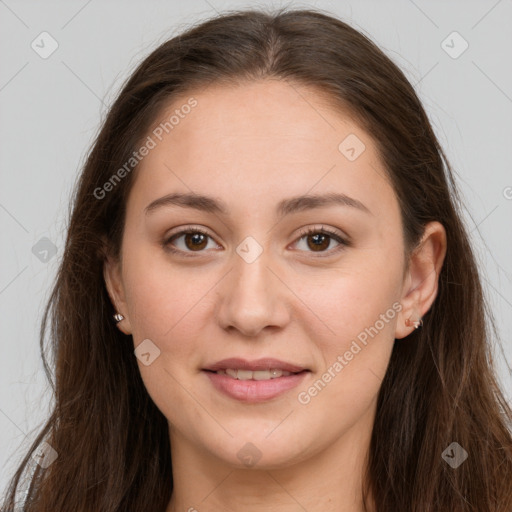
[[239, 374], [240, 365], [254, 381]]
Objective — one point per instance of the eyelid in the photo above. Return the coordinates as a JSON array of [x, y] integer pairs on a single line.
[[320, 228], [183, 230], [343, 240], [188, 229]]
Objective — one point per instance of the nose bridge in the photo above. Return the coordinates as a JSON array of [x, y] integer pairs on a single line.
[[252, 280], [252, 297], [251, 274]]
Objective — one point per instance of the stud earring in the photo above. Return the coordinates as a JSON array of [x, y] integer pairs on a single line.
[[416, 323], [118, 317]]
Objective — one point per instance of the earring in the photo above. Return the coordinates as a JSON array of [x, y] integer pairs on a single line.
[[416, 323], [118, 317]]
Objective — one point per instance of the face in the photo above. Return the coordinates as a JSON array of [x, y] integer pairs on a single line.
[[248, 281]]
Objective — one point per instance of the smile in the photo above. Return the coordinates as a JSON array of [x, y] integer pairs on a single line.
[[254, 386], [240, 374]]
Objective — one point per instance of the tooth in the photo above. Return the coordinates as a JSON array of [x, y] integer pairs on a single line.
[[273, 373], [244, 374], [262, 374]]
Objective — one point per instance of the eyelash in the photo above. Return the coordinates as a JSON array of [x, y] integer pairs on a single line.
[[305, 232]]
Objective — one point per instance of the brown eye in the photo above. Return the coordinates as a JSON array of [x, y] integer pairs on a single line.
[[193, 240], [319, 240]]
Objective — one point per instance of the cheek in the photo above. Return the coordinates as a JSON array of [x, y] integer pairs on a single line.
[[162, 297], [357, 296], [355, 317], [165, 305], [352, 361]]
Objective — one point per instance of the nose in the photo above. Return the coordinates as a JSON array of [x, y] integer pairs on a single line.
[[253, 297]]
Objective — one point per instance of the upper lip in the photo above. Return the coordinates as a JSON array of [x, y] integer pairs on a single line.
[[266, 363]]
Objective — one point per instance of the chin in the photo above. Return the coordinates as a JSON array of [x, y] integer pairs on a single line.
[[260, 453]]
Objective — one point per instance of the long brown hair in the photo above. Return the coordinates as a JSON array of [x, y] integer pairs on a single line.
[[111, 440]]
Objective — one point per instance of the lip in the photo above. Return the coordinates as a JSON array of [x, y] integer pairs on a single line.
[[265, 363], [254, 391]]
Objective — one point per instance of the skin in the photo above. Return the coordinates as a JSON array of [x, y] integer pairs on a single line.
[[252, 146]]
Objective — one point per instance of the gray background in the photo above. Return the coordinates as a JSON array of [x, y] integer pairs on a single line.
[[51, 109]]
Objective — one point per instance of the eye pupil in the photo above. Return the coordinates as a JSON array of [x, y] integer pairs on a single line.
[[321, 238], [197, 238]]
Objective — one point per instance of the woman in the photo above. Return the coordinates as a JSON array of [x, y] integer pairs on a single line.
[[267, 299]]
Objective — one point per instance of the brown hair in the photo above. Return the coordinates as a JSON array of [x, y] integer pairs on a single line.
[[440, 386]]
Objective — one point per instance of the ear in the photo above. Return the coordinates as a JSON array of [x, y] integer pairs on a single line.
[[114, 283], [422, 277]]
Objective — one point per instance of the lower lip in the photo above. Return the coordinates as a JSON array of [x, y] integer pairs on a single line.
[[254, 391]]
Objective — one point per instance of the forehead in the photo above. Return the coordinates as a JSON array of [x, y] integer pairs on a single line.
[[259, 141], [291, 121]]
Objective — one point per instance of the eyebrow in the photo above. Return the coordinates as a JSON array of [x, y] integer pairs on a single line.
[[285, 207]]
